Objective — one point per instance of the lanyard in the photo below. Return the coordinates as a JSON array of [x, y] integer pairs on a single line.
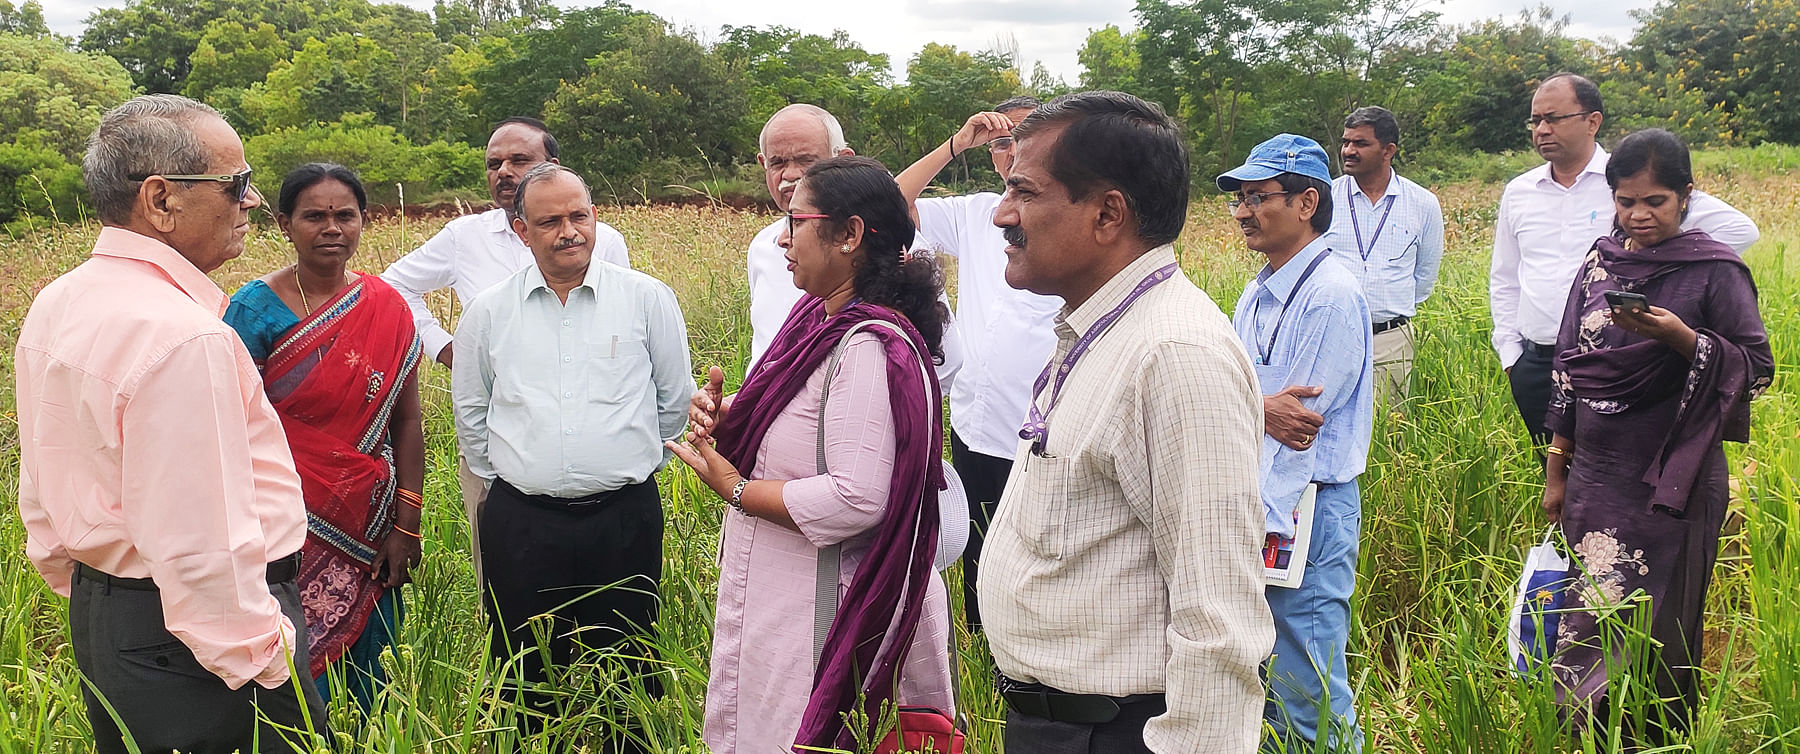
[[1356, 225], [1269, 352], [1037, 427]]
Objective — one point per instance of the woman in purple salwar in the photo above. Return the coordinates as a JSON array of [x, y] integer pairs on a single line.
[[847, 240], [1643, 400]]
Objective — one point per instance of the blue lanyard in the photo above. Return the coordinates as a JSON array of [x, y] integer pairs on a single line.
[[1037, 426], [1256, 308], [1356, 225]]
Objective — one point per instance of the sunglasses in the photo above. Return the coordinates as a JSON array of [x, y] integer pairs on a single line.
[[237, 184]]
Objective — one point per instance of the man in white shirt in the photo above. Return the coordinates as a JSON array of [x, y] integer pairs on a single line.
[[473, 252], [795, 137], [1548, 220], [573, 374], [1006, 333], [1389, 231]]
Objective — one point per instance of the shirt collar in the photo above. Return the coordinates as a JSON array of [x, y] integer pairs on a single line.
[[1281, 283], [1393, 188], [497, 221], [1596, 165], [1115, 290], [125, 244], [534, 277]]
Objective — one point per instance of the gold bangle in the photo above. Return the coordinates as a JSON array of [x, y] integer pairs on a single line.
[[411, 498], [1553, 450], [413, 534]]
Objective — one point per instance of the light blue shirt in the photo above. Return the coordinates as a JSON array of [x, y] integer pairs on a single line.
[[1398, 268], [571, 399], [1323, 340]]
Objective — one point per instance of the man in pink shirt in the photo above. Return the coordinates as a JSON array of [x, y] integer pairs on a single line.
[[155, 484]]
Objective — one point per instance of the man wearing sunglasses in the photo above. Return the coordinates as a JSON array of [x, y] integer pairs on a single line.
[[1304, 322], [156, 485], [1006, 333], [1549, 218]]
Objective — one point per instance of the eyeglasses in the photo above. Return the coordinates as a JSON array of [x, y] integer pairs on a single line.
[[1537, 120], [1002, 144], [237, 184], [791, 217], [1253, 200]]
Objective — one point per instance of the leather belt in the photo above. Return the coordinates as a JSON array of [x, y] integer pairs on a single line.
[[279, 572], [1397, 322], [1540, 349], [1042, 701]]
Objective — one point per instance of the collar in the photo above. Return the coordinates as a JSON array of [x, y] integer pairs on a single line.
[[1280, 283], [534, 278], [1596, 165], [125, 244], [1394, 187], [1115, 290], [496, 221]]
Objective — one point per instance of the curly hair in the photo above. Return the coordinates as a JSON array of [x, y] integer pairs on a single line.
[[850, 186]]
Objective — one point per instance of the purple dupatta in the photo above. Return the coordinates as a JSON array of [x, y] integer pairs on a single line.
[[896, 570]]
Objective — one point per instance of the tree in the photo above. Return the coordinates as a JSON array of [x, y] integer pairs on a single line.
[[47, 89], [1109, 60], [1737, 54], [26, 19], [780, 66], [944, 86], [324, 81], [524, 71], [230, 58]]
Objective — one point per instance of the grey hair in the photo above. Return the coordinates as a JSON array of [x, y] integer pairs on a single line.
[[1379, 120], [834, 132], [151, 134], [534, 175]]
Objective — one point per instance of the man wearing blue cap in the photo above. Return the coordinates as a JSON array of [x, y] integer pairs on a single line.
[[1304, 322]]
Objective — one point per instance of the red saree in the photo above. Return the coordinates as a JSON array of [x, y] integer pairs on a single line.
[[335, 379]]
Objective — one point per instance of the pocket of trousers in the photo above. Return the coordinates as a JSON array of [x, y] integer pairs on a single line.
[[171, 657]]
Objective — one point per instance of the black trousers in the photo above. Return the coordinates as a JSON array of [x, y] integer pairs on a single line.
[[562, 577], [1530, 380], [984, 479], [164, 696], [1123, 735]]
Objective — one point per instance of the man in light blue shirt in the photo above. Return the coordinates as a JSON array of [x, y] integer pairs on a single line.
[[1389, 231], [1304, 322], [569, 376]]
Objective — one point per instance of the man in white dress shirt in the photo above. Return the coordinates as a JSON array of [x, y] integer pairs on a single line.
[[1390, 232], [795, 137], [573, 374], [473, 252], [1006, 333], [1549, 218]]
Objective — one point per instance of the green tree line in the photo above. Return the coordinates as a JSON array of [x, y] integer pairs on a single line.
[[648, 110]]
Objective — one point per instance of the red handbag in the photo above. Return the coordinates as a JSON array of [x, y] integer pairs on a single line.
[[925, 730]]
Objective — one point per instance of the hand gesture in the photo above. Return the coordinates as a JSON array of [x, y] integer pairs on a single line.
[[707, 406], [396, 558], [980, 129], [1289, 421], [700, 454]]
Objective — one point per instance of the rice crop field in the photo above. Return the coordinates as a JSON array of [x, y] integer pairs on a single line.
[[1450, 505]]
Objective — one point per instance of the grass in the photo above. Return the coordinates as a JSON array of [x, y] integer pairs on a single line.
[[1449, 508]]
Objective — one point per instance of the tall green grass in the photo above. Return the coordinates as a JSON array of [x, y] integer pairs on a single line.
[[1450, 504]]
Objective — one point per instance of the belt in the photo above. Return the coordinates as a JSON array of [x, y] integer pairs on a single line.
[[593, 501], [1397, 322], [279, 572], [1038, 700], [1541, 349]]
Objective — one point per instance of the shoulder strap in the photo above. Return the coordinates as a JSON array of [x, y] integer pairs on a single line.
[[830, 560]]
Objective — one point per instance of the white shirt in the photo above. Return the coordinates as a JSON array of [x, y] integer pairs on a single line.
[[471, 254], [1006, 334], [571, 399], [773, 294], [1544, 230], [1397, 263]]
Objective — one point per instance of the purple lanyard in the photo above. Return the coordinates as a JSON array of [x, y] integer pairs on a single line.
[[1037, 425], [1269, 352], [1356, 225]]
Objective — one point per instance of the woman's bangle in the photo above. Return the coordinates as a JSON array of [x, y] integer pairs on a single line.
[[411, 498], [413, 534], [736, 501], [1553, 450]]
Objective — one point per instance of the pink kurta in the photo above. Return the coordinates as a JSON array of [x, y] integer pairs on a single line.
[[762, 666]]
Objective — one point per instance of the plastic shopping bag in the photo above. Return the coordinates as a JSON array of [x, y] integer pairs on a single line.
[[1531, 629]]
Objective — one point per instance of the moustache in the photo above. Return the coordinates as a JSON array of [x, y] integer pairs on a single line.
[[569, 243], [787, 185], [1014, 235]]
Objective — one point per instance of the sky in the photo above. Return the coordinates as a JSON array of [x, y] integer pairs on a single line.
[[1049, 31]]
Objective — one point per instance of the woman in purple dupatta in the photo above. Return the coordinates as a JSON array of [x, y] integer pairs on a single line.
[[847, 239], [1641, 406]]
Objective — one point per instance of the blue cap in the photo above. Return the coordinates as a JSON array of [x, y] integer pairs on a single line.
[[1286, 153]]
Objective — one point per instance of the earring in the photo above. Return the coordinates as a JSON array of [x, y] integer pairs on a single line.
[[847, 248]]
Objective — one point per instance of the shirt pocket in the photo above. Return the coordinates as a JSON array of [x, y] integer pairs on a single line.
[[617, 367], [1041, 514]]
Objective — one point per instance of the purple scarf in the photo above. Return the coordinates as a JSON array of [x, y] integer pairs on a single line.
[[897, 568], [1716, 387]]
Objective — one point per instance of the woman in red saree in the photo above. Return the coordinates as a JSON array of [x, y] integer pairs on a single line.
[[340, 364]]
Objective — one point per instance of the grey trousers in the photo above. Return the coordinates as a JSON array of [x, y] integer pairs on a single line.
[[163, 695]]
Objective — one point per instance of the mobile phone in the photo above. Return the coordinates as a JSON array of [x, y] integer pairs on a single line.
[[1628, 301]]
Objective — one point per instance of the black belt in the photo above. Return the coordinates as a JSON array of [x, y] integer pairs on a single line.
[[1038, 700], [279, 572], [1540, 349], [593, 501], [1381, 327]]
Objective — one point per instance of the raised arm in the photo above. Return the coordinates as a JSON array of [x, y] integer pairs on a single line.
[[426, 269], [980, 129]]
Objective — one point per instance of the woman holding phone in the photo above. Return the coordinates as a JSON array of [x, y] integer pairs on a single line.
[[1661, 351]]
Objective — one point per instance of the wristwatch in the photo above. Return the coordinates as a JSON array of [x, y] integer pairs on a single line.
[[737, 496]]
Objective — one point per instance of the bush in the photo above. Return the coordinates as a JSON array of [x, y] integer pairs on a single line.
[[380, 154], [37, 185]]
